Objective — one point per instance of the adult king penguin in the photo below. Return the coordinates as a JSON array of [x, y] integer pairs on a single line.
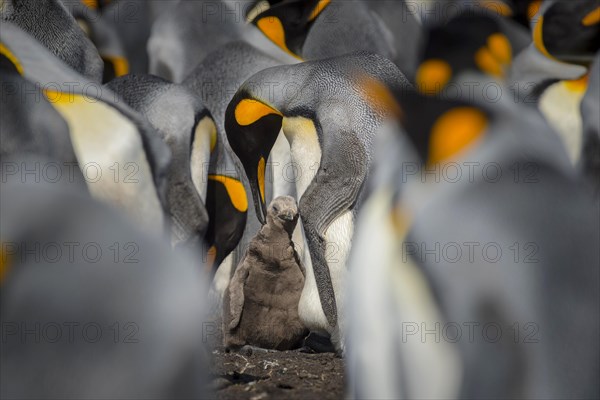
[[330, 128], [317, 29], [109, 312], [425, 287], [121, 156], [187, 127], [216, 79], [53, 26]]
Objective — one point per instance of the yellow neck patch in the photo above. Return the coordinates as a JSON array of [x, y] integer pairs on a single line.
[[455, 131], [432, 76], [261, 177], [211, 256], [497, 6], [318, 9], [533, 9], [249, 111], [93, 4], [4, 264], [120, 64], [273, 29], [593, 18], [578, 85], [11, 57], [235, 191]]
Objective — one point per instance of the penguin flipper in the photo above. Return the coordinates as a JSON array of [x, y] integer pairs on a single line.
[[334, 190], [236, 293]]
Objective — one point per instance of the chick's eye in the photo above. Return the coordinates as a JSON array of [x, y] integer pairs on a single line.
[[275, 208]]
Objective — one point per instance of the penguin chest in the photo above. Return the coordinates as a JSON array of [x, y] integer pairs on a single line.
[[111, 156], [560, 105], [305, 151]]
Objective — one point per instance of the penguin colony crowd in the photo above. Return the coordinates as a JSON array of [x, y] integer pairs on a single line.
[[415, 181]]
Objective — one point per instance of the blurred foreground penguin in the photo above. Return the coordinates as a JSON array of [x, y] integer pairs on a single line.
[[53, 26], [104, 36], [121, 156], [590, 154], [552, 70], [92, 308], [186, 126], [463, 283], [260, 307], [329, 123], [189, 31]]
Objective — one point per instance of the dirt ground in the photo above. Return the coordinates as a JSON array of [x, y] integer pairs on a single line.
[[275, 374], [278, 375]]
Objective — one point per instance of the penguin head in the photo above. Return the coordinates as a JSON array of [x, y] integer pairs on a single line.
[[287, 23], [568, 31], [441, 130], [244, 117], [469, 42], [283, 212]]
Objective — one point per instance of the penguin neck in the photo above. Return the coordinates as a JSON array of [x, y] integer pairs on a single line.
[[305, 151]]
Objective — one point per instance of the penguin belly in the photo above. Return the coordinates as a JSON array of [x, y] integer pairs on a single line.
[[561, 108]]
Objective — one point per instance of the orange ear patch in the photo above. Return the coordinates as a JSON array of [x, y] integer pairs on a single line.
[[273, 29], [4, 264], [496, 56], [318, 9], [455, 131], [432, 76], [538, 38], [593, 18], [235, 191], [249, 111], [120, 64]]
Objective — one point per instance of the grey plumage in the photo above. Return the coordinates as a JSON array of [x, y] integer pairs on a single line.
[[51, 24], [260, 306], [117, 314], [179, 39], [97, 119], [325, 96], [539, 284], [590, 156], [174, 112]]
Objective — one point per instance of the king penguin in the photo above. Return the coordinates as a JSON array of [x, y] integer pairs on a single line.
[[103, 36], [317, 29], [103, 316], [53, 26], [566, 37], [122, 158], [422, 301], [216, 79], [187, 127], [174, 47], [590, 152], [330, 128]]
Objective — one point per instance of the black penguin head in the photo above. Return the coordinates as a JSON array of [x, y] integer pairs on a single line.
[[441, 130], [252, 128], [469, 42], [287, 23], [569, 31], [283, 212]]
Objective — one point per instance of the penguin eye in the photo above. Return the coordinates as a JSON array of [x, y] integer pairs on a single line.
[[275, 208]]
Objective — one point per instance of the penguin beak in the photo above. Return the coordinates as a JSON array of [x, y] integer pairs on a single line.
[[288, 216], [258, 191]]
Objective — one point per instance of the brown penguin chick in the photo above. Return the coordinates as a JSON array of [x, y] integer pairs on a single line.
[[260, 306]]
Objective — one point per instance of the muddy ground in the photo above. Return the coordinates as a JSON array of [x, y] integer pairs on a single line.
[[275, 375]]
